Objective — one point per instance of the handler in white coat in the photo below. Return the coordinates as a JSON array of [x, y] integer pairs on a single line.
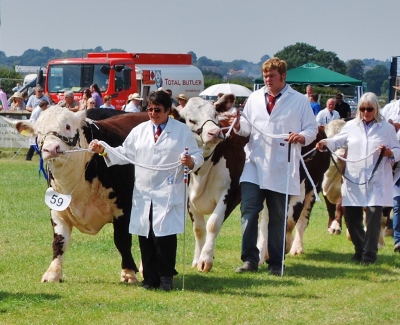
[[367, 133], [265, 171], [158, 203]]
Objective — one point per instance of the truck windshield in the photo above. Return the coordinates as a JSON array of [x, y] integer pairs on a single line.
[[75, 77]]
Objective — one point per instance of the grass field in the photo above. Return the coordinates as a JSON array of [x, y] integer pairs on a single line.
[[320, 287]]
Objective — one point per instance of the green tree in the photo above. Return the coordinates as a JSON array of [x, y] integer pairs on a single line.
[[355, 69], [8, 79], [375, 78], [194, 57], [302, 53]]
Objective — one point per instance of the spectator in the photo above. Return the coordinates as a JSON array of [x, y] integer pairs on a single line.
[[328, 114], [91, 103], [265, 173], [182, 100], [174, 101], [42, 106], [17, 87], [107, 103], [36, 98], [369, 182], [69, 101], [314, 103], [3, 99], [134, 103], [83, 103], [157, 214], [309, 91], [96, 94], [17, 103], [342, 107]]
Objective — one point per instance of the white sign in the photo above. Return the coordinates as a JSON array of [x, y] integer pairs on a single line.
[[9, 136], [57, 201]]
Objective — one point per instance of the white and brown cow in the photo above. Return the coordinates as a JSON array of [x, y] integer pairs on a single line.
[[100, 195], [214, 189]]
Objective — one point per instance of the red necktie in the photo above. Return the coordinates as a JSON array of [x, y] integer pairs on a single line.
[[157, 134], [271, 102]]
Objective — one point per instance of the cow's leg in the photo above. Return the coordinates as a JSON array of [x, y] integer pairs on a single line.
[[336, 226], [62, 235], [123, 242], [199, 230], [331, 208], [214, 225], [302, 223], [262, 239]]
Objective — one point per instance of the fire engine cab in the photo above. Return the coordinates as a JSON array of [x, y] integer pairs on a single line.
[[121, 74]]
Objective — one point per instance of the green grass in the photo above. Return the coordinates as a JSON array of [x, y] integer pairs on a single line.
[[320, 287]]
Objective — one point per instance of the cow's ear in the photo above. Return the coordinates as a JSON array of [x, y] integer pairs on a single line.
[[25, 128], [81, 116]]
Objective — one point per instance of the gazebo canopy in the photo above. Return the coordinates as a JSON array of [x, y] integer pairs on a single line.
[[313, 74]]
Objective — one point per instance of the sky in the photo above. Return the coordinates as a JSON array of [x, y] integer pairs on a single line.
[[223, 30]]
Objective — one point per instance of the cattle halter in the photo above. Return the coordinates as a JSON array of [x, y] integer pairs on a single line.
[[200, 130], [69, 141]]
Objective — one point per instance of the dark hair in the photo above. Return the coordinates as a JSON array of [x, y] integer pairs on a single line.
[[87, 92], [96, 88], [43, 102], [314, 96], [160, 98]]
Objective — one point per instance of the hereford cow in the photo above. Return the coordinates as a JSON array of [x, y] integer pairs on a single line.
[[99, 195], [214, 189]]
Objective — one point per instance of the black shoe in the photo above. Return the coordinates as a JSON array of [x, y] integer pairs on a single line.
[[397, 248], [247, 267], [166, 283], [275, 270], [29, 159], [367, 262], [147, 286], [357, 257]]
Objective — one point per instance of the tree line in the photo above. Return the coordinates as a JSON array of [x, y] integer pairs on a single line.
[[373, 73]]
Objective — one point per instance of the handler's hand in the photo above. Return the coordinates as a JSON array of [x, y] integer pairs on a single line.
[[296, 138], [320, 145], [96, 147], [231, 119], [187, 161], [387, 153]]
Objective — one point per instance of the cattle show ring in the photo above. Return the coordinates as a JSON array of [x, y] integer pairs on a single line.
[[96, 279]]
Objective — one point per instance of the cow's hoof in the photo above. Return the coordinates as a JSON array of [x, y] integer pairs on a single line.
[[204, 266], [296, 251], [51, 277], [331, 231], [128, 276], [194, 264]]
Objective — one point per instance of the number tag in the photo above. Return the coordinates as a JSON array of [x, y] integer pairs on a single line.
[[56, 201]]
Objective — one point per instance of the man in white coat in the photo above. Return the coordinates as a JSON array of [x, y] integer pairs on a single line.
[[265, 173], [158, 203], [328, 114]]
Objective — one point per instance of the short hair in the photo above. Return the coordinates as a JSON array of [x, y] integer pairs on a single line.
[[43, 102], [309, 86], [107, 97], [340, 95], [315, 97], [69, 93], [169, 91], [327, 101], [160, 98], [371, 100], [274, 64]]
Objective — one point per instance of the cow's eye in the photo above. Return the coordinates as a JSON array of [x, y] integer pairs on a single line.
[[68, 127], [191, 121]]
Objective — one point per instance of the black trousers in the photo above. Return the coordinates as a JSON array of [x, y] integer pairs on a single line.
[[30, 152], [365, 242], [158, 256]]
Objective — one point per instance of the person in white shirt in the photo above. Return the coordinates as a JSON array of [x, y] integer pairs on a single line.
[[107, 103], [134, 103], [328, 114], [43, 104]]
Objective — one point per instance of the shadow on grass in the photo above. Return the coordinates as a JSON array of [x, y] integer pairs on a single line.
[[12, 300]]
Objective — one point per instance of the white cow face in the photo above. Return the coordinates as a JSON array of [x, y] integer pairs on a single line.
[[201, 117], [57, 130]]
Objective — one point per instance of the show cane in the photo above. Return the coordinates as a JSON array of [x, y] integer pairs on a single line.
[[185, 181]]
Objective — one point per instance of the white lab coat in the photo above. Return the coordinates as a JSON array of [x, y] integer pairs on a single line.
[[391, 111], [164, 189], [267, 158], [324, 117], [379, 191]]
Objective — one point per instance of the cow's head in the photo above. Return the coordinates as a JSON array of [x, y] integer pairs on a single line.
[[201, 117], [56, 130]]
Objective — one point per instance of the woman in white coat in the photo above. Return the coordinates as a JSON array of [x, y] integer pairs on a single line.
[[367, 135], [158, 203]]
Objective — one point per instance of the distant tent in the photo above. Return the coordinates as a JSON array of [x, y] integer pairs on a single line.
[[312, 74]]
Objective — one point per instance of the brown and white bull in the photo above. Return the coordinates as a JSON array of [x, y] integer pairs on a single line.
[[99, 195], [214, 189]]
